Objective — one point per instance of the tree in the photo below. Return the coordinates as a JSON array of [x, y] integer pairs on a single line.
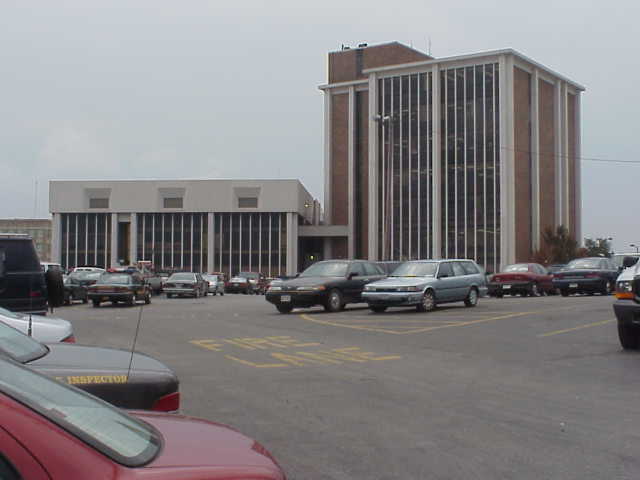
[[558, 246], [600, 247]]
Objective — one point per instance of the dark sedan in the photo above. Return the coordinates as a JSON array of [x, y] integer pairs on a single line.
[[330, 283], [523, 279], [586, 275], [76, 285], [186, 283], [119, 287], [103, 372]]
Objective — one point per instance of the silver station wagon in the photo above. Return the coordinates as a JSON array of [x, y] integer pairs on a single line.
[[427, 283]]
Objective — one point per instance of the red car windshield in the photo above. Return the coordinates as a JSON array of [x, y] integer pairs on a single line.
[[115, 434]]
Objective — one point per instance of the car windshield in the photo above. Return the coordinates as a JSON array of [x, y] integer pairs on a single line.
[[119, 436], [584, 263], [181, 276], [326, 269], [115, 278], [415, 269], [618, 259], [519, 267], [19, 346]]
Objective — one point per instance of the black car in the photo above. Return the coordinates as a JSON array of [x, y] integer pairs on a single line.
[[22, 282], [330, 283], [76, 284], [586, 275], [119, 287], [103, 372]]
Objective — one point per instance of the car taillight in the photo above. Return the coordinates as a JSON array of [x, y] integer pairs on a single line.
[[69, 339], [167, 403], [592, 275], [558, 275], [35, 293]]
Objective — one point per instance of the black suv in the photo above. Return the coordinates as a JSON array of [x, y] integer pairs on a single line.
[[330, 283], [628, 315], [22, 282]]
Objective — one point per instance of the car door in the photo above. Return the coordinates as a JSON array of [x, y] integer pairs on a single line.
[[446, 283], [545, 278], [462, 281], [16, 463], [356, 281]]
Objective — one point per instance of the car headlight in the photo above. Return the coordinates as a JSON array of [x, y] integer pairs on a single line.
[[275, 289], [369, 288], [624, 286], [312, 289]]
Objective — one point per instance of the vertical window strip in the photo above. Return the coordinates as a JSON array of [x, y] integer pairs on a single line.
[[95, 247], [496, 145], [401, 173], [475, 171], [410, 161], [484, 156], [464, 117], [445, 170], [419, 147]]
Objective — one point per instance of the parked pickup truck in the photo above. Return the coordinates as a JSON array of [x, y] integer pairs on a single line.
[[627, 305]]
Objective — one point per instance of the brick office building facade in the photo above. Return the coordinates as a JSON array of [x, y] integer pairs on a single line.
[[468, 156]]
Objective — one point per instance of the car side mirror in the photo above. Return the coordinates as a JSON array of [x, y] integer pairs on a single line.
[[629, 261]]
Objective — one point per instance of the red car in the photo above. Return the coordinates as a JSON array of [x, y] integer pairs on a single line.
[[49, 430], [522, 278]]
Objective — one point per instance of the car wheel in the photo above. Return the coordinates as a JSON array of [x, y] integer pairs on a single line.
[[335, 301], [215, 293], [499, 295], [85, 300], [169, 295], [377, 308], [472, 298], [67, 299], [428, 302], [607, 288], [96, 303], [222, 294], [284, 308], [131, 301], [629, 336], [147, 298], [534, 292], [564, 293]]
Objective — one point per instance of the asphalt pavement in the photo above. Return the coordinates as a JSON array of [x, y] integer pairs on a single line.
[[527, 388]]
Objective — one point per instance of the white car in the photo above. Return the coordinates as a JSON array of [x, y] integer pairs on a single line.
[[43, 329], [89, 269]]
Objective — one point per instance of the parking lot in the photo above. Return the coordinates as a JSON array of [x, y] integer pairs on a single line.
[[514, 388]]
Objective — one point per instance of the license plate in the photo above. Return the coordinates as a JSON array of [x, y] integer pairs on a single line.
[[506, 287], [285, 298], [573, 285]]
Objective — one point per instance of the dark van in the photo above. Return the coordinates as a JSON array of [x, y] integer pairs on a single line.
[[22, 281]]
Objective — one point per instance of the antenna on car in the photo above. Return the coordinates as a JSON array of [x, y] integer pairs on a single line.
[[135, 339]]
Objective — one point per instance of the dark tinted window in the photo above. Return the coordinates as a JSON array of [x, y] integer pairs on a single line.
[[98, 203], [173, 202], [445, 269], [458, 270], [372, 269], [470, 268], [19, 256], [7, 472], [247, 202], [358, 268]]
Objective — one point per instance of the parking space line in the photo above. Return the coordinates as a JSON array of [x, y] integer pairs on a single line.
[[579, 327], [415, 330]]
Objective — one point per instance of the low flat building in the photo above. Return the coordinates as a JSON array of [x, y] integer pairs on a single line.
[[38, 228], [187, 225]]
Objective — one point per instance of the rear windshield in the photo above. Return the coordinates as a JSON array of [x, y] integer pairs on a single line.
[[248, 275], [210, 278], [326, 269], [591, 263], [19, 256], [83, 275], [416, 269], [519, 267], [115, 278], [181, 276], [117, 435], [19, 346]]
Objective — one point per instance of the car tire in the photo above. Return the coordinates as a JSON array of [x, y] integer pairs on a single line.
[[169, 295], [131, 301], [85, 300], [334, 302], [564, 293], [534, 291], [222, 294], [378, 308], [499, 295], [607, 288], [629, 336], [284, 308], [214, 293], [147, 298], [96, 303], [67, 299], [472, 298], [427, 303]]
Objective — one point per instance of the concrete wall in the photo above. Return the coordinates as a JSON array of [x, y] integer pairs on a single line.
[[339, 159], [522, 154], [547, 155]]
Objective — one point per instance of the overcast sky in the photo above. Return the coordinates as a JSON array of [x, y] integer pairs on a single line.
[[190, 89]]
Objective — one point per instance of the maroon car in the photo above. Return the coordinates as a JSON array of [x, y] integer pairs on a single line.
[[523, 279], [49, 430]]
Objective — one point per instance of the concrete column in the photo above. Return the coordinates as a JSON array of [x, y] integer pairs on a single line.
[[292, 243], [114, 240], [436, 204], [211, 251], [373, 168], [507, 163], [56, 238], [133, 239]]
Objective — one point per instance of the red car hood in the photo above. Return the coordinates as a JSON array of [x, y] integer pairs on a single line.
[[202, 447]]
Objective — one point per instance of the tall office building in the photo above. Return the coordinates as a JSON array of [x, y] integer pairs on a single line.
[[468, 156]]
